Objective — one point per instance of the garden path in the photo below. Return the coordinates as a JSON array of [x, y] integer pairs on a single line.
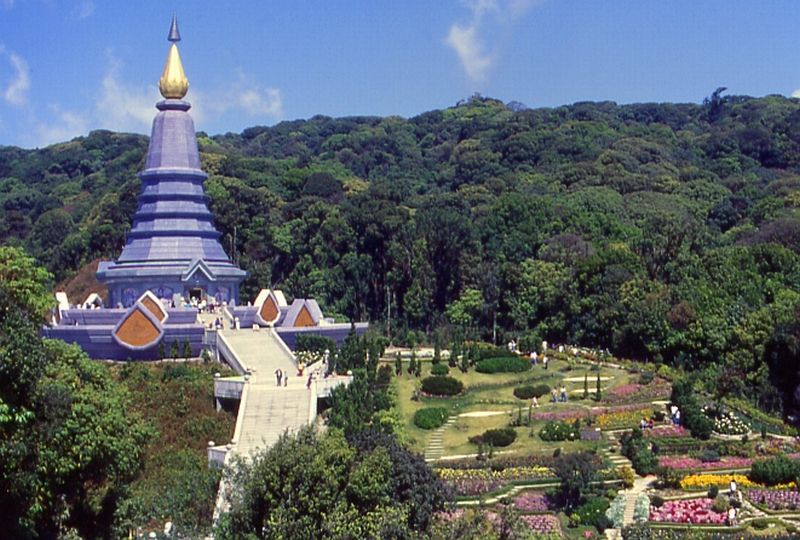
[[640, 485], [435, 449]]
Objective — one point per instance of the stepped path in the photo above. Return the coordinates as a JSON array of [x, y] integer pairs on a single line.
[[268, 409], [640, 485], [434, 450]]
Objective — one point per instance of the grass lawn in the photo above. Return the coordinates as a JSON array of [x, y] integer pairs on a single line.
[[494, 392]]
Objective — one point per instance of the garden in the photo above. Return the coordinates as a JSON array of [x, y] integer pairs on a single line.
[[501, 432]]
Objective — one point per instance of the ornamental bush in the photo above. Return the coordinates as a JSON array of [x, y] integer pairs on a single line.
[[430, 418], [528, 392], [503, 365], [776, 470], [495, 437], [442, 386], [439, 370], [493, 352], [560, 431], [593, 513]]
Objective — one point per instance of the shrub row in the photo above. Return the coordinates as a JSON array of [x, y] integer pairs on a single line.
[[442, 386], [530, 391], [503, 365], [495, 437], [430, 418], [776, 470]]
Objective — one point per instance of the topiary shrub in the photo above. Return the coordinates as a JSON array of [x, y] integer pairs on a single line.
[[710, 456], [713, 491], [495, 437], [656, 501], [503, 365], [560, 431], [442, 386], [430, 418], [528, 392], [721, 504], [439, 370]]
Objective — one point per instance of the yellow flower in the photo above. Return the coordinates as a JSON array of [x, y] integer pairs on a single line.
[[698, 481]]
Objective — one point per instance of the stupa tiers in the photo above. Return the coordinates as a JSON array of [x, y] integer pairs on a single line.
[[172, 254], [173, 248]]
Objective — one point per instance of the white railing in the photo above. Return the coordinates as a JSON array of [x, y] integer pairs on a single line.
[[227, 352]]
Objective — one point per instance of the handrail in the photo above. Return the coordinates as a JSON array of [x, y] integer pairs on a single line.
[[227, 351]]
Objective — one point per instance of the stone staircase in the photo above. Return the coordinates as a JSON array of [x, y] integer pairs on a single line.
[[616, 459], [434, 449]]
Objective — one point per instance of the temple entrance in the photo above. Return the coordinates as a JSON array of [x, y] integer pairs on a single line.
[[196, 294]]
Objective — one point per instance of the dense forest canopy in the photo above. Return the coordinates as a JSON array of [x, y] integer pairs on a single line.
[[667, 232]]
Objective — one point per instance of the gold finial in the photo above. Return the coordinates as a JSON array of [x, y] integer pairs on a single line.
[[173, 83]]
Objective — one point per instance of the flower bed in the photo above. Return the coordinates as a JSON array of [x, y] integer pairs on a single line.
[[542, 523], [670, 431], [503, 462], [774, 499], [687, 463], [532, 501], [632, 393], [623, 419], [471, 482], [696, 511], [704, 481], [555, 416]]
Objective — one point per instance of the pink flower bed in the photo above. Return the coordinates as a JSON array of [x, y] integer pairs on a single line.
[[472, 487], [697, 511], [532, 501], [542, 523], [574, 414], [667, 431], [775, 499], [728, 462], [623, 391]]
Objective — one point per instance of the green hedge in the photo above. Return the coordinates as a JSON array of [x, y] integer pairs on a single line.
[[529, 391], [776, 470], [495, 437], [440, 369], [503, 365], [442, 386], [430, 418], [493, 352]]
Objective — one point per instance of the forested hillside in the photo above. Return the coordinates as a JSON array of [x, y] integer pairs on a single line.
[[667, 232]]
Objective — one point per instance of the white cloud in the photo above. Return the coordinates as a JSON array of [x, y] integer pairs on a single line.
[[16, 93], [467, 39], [796, 93], [464, 40], [124, 107], [85, 8], [262, 103], [64, 126]]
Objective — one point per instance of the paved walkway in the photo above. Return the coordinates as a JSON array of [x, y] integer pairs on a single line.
[[640, 485], [267, 409]]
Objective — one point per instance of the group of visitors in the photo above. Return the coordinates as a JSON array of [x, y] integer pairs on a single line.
[[646, 423], [535, 359], [281, 376], [560, 395]]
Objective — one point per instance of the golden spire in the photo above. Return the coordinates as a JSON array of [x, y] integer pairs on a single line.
[[173, 83]]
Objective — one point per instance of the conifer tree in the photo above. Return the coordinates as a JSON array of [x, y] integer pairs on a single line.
[[398, 364], [597, 396], [586, 385]]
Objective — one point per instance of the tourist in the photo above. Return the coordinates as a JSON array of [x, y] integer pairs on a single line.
[[544, 346], [642, 423], [310, 378], [563, 393], [554, 396], [534, 402], [651, 424], [734, 494], [300, 367], [544, 361], [534, 358], [732, 516], [678, 417], [561, 349], [279, 376]]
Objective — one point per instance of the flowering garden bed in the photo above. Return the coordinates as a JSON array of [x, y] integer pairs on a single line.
[[705, 481], [775, 499], [473, 482], [532, 501], [688, 463], [668, 431], [634, 392], [695, 511]]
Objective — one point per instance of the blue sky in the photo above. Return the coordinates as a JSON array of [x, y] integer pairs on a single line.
[[70, 66]]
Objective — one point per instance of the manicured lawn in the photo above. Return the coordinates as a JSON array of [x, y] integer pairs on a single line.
[[494, 392]]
